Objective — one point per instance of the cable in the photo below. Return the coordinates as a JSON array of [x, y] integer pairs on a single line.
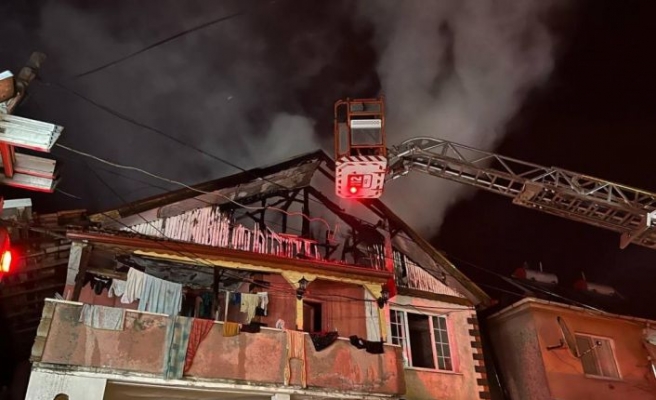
[[68, 194], [159, 43], [131, 168]]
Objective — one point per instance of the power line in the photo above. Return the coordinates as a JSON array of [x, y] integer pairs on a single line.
[[128, 167], [159, 43]]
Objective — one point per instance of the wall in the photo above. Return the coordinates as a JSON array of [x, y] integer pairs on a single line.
[[517, 350], [256, 358], [139, 347], [563, 376], [342, 305], [463, 382]]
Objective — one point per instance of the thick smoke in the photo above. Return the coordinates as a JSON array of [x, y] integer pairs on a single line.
[[456, 70], [259, 88], [223, 89]]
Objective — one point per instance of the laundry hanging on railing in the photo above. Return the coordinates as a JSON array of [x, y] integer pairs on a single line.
[[295, 350], [101, 317], [323, 340]]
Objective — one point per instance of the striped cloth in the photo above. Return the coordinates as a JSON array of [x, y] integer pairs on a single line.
[[178, 333]]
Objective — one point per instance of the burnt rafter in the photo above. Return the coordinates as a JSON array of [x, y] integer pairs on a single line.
[[356, 224]]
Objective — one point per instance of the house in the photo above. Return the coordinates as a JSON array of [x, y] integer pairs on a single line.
[[259, 285], [564, 343]]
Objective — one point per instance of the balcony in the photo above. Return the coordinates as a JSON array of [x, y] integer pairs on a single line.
[[253, 359]]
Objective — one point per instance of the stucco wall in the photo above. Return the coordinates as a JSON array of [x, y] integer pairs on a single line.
[[562, 374], [565, 375], [460, 384], [139, 347], [258, 357], [517, 350]]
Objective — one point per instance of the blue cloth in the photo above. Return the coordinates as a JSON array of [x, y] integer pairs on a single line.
[[160, 296], [177, 334]]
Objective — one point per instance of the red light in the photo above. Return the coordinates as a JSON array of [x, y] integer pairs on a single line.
[[353, 190], [5, 262]]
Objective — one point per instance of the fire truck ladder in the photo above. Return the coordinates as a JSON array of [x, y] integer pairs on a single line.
[[623, 209]]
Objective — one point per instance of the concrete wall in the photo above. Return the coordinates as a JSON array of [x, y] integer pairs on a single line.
[[532, 371], [256, 358], [517, 349], [462, 383]]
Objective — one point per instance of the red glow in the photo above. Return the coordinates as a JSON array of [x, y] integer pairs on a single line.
[[6, 261], [353, 190]]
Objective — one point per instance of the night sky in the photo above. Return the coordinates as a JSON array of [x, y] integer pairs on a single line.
[[594, 113]]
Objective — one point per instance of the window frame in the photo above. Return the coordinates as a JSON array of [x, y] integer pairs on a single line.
[[611, 345], [406, 340]]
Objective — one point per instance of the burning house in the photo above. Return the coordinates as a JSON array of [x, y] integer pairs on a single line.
[[260, 285]]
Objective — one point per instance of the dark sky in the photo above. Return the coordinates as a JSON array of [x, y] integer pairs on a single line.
[[594, 114]]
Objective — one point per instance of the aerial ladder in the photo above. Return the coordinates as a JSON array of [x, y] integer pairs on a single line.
[[364, 165]]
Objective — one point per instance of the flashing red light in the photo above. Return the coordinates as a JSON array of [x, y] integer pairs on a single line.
[[353, 190], [5, 261]]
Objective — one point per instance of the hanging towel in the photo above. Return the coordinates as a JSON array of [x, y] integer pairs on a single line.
[[117, 289], [250, 328], [374, 347], [133, 286], [200, 328], [160, 296], [178, 334], [357, 342], [295, 350], [101, 317], [230, 329], [323, 340], [264, 302], [249, 303], [235, 298]]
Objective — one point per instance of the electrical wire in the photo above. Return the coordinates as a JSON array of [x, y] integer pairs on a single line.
[[159, 43], [172, 181]]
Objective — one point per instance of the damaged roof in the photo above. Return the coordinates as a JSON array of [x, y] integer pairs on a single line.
[[291, 175]]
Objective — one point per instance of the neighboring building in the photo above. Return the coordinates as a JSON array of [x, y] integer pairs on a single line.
[[611, 357], [307, 269], [557, 343]]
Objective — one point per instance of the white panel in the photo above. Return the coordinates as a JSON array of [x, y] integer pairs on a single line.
[[45, 386]]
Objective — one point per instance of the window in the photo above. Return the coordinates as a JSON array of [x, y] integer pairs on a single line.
[[597, 356], [423, 338]]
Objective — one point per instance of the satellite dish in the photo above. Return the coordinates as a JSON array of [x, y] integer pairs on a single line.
[[568, 339]]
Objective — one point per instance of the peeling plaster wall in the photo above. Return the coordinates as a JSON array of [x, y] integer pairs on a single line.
[[249, 358], [463, 382], [139, 347]]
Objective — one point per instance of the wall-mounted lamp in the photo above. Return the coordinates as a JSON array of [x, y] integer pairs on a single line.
[[302, 287], [384, 297]]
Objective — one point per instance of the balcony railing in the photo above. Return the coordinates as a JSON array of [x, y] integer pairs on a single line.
[[258, 358]]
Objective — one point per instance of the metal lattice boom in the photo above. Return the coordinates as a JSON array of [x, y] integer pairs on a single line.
[[552, 190]]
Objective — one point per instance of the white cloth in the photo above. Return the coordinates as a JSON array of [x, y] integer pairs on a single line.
[[117, 289], [249, 303], [133, 287], [371, 317], [101, 317], [264, 301], [160, 296]]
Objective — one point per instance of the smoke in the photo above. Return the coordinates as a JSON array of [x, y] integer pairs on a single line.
[[231, 90], [456, 70]]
